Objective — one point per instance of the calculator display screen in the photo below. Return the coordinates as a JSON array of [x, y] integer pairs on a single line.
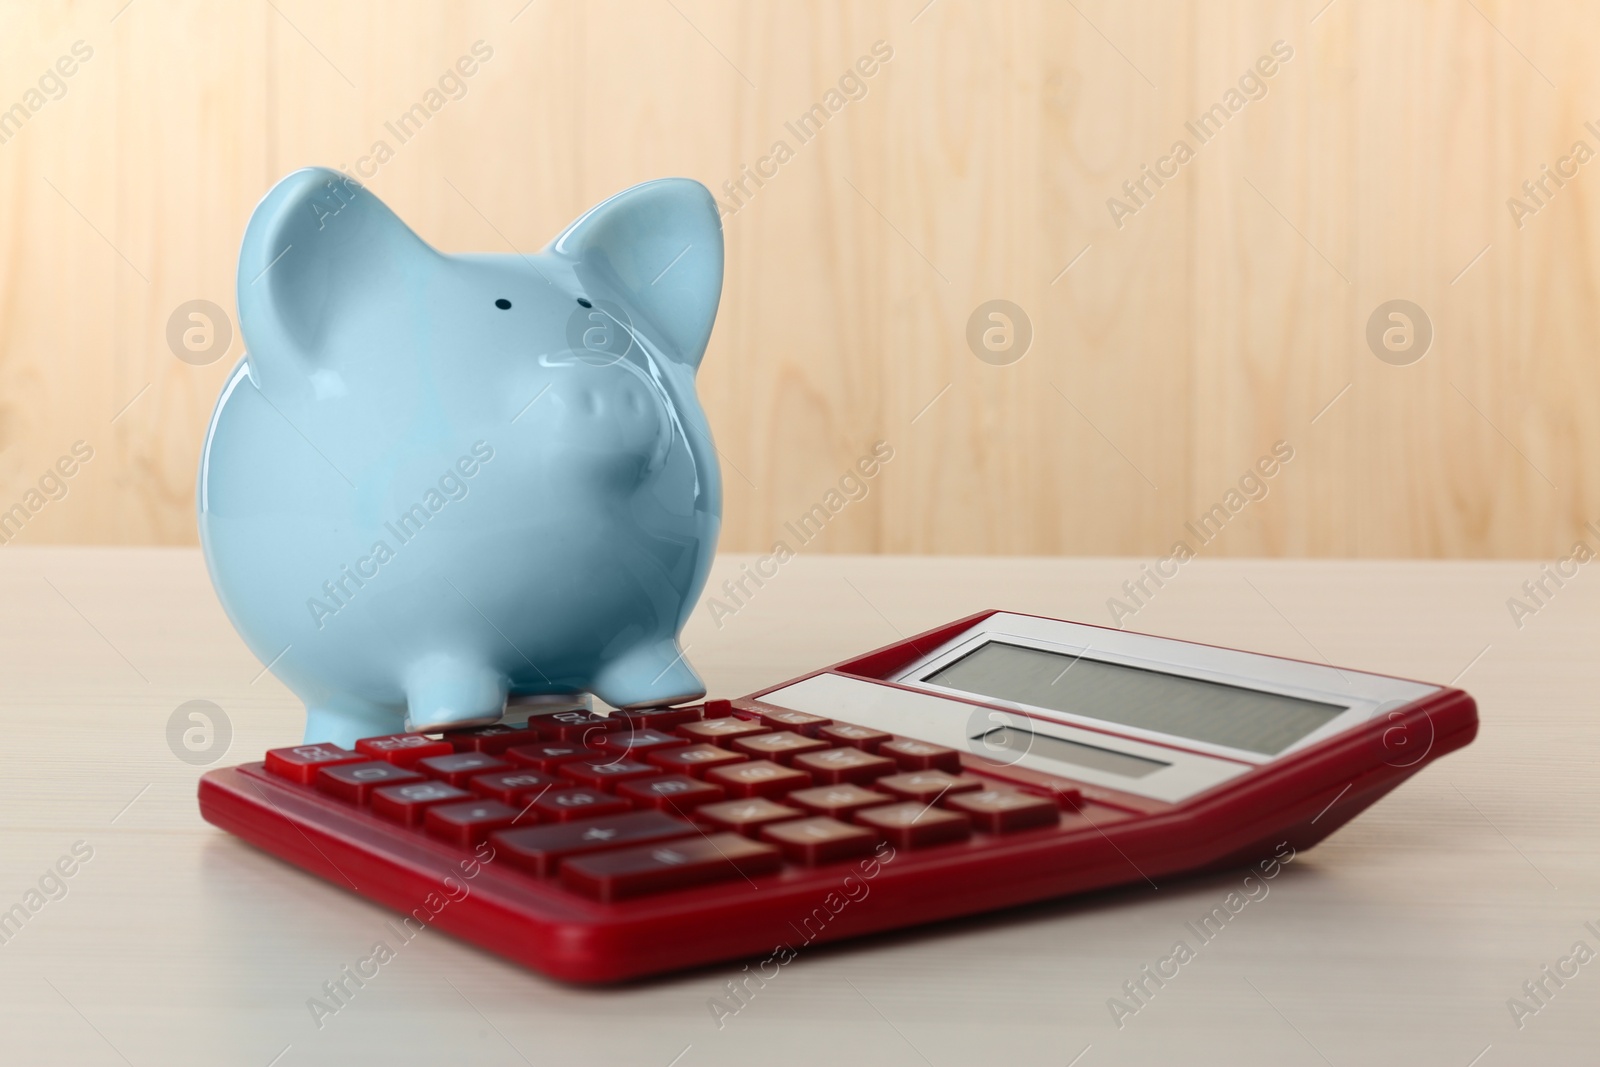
[[1218, 714]]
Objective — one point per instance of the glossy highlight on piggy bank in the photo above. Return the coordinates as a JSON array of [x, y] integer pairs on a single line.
[[438, 483]]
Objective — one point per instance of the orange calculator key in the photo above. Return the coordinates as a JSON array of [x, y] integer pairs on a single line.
[[695, 760], [403, 749], [540, 849], [406, 803], [459, 768], [926, 786], [819, 839], [721, 731], [844, 765], [746, 816], [914, 825], [780, 747], [675, 793], [564, 805], [848, 733], [1001, 811], [758, 778], [921, 756], [301, 763], [689, 861], [356, 781], [839, 801], [468, 822]]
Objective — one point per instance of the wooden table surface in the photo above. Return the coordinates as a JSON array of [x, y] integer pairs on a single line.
[[1402, 939]]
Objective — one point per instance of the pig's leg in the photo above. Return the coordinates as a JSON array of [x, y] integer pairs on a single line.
[[447, 692], [343, 721], [647, 675]]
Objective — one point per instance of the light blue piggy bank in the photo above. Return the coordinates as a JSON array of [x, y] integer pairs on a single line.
[[440, 482]]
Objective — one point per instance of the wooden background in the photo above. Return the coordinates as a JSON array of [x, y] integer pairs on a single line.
[[1227, 314]]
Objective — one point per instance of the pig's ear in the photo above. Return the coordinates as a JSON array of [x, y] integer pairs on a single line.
[[656, 249], [318, 247]]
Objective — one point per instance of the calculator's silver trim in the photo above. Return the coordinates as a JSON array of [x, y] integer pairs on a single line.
[[1363, 695], [954, 724]]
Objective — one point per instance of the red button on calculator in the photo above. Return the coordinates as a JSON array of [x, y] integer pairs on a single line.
[[633, 872], [564, 805], [547, 758], [820, 840], [300, 764], [469, 821], [540, 849], [514, 787], [673, 793], [406, 803], [758, 778], [356, 781], [721, 731], [459, 768], [403, 749], [999, 760]]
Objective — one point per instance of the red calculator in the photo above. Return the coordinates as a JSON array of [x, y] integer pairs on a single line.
[[996, 761]]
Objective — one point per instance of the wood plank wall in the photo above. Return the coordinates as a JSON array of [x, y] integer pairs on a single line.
[[1173, 342]]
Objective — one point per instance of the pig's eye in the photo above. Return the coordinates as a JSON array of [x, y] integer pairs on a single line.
[[584, 303], [503, 304]]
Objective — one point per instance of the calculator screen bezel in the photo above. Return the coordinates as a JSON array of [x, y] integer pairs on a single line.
[[1362, 695]]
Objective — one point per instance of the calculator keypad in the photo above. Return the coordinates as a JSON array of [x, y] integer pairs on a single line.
[[631, 804]]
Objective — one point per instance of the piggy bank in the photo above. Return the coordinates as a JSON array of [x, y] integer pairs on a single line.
[[438, 484]]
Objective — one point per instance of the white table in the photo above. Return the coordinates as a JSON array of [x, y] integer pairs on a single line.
[[1399, 940]]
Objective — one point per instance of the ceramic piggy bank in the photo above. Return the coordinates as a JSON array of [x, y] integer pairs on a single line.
[[438, 482]]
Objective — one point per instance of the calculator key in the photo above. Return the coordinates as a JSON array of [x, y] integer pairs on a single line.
[[694, 759], [757, 778], [746, 816], [1001, 811], [580, 726], [689, 861], [926, 786], [780, 747], [405, 804], [301, 763], [458, 768], [585, 802], [635, 743], [844, 765], [914, 825], [547, 757], [720, 731], [716, 709], [513, 787], [492, 740], [673, 793], [921, 756], [403, 749], [839, 801], [540, 849], [469, 822], [819, 839], [797, 721], [659, 718], [603, 773], [356, 781], [848, 733]]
